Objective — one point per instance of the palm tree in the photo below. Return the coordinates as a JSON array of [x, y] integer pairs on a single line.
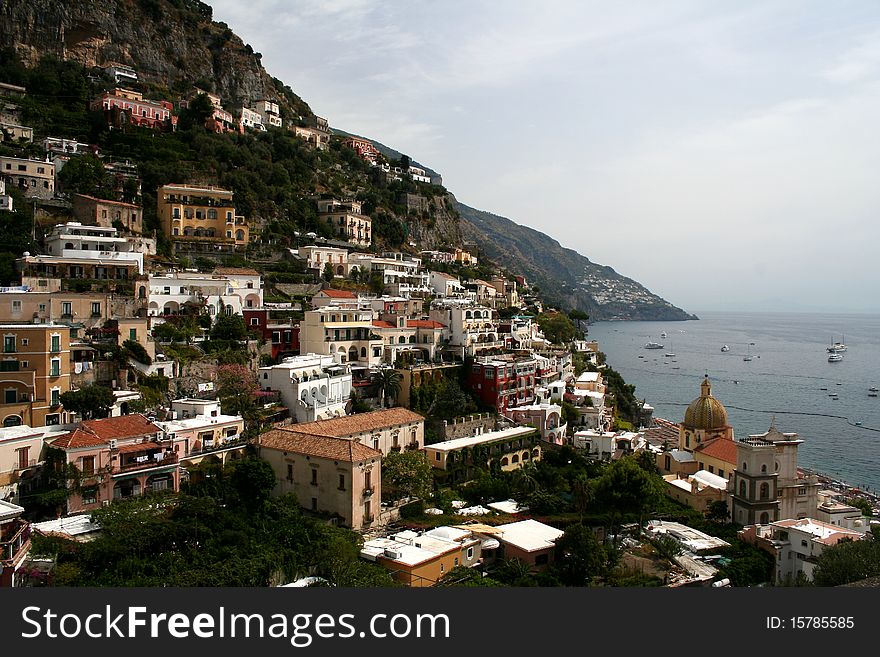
[[388, 381]]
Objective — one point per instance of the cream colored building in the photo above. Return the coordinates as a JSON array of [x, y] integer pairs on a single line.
[[35, 178], [329, 475], [101, 212], [387, 430], [343, 330]]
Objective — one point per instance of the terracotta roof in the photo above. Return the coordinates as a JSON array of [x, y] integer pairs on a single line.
[[350, 425], [720, 448], [328, 447], [339, 294], [139, 447], [424, 323], [107, 201], [125, 426], [231, 271], [378, 323], [78, 438]]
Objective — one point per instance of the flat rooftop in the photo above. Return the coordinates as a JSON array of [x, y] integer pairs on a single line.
[[529, 535], [691, 538], [470, 441]]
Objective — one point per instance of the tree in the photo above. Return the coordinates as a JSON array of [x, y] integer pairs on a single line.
[[229, 327], [579, 556], [136, 350], [388, 382], [407, 474], [328, 272], [570, 413], [718, 511], [237, 389], [253, 479], [624, 488], [197, 113], [86, 174], [846, 562], [89, 402], [557, 327]]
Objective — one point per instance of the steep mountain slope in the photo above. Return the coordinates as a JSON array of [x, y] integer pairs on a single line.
[[171, 43], [564, 276]]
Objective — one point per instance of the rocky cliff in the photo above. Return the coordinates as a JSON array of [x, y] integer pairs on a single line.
[[171, 44]]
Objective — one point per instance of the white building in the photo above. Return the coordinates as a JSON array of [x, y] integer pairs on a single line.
[[5, 199], [225, 291], [401, 275], [199, 424], [317, 257], [74, 240], [121, 73], [445, 285], [418, 174], [268, 111], [66, 146], [312, 386], [251, 119], [470, 328]]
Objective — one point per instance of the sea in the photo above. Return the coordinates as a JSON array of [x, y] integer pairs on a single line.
[[788, 380]]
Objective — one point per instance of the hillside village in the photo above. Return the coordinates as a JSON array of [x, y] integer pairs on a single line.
[[208, 302]]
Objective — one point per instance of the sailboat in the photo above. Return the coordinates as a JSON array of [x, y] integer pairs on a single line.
[[748, 356], [837, 347]]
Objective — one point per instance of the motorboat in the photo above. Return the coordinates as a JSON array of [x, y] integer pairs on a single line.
[[653, 345], [663, 335], [835, 357], [669, 355], [725, 348], [747, 358], [872, 394], [872, 389]]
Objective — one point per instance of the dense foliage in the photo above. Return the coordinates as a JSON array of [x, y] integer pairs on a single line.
[[223, 531]]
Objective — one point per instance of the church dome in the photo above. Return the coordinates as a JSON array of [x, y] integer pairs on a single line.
[[705, 412]]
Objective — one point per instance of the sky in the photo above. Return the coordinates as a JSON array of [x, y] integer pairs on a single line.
[[725, 155]]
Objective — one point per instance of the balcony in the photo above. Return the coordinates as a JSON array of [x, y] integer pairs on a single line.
[[368, 492], [14, 537], [150, 462]]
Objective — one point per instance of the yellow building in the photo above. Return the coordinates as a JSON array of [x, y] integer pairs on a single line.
[[706, 434], [201, 219], [345, 221], [34, 373]]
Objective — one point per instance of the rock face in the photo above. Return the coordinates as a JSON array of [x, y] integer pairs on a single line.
[[170, 43]]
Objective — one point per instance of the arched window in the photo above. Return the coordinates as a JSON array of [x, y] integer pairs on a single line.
[[742, 488], [744, 466], [503, 461], [514, 459], [352, 354], [363, 352], [401, 339], [12, 421], [765, 518], [764, 467], [765, 491]]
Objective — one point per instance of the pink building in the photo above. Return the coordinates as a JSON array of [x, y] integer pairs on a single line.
[[363, 147], [123, 105], [118, 458], [546, 418]]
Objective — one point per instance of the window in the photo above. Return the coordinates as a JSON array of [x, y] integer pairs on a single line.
[[56, 398], [88, 465], [255, 321], [66, 308], [90, 495], [541, 560], [314, 504], [314, 481], [765, 491], [470, 553], [436, 456], [96, 309], [368, 480], [23, 456], [16, 306], [133, 334], [55, 367], [56, 344], [290, 472], [456, 561], [342, 482], [8, 344]]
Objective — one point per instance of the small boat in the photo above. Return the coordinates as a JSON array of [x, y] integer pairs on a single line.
[[835, 358], [724, 348], [747, 358], [872, 389], [669, 355], [823, 388], [858, 423], [872, 394], [653, 345], [837, 347], [663, 335]]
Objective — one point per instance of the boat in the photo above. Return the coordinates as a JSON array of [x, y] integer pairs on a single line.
[[725, 348], [653, 345], [835, 357], [747, 357], [663, 335], [823, 388], [837, 347], [872, 394], [669, 355], [872, 389]]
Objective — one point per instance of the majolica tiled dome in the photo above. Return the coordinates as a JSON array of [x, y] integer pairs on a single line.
[[705, 412]]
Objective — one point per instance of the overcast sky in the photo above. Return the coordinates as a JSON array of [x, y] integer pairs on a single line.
[[723, 154]]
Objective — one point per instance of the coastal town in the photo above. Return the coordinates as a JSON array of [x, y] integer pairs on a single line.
[[404, 412]]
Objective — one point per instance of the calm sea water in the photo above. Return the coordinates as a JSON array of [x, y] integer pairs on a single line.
[[785, 377]]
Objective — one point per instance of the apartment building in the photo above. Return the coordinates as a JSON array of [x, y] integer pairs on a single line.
[[118, 458], [402, 275], [507, 449], [46, 273], [504, 382], [345, 221], [343, 330], [269, 112], [76, 241], [318, 257], [201, 219], [472, 330], [364, 148], [110, 214], [388, 430], [34, 178], [15, 541], [409, 339], [329, 475], [199, 426], [312, 387], [227, 290], [251, 120], [124, 106], [315, 137], [34, 373]]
